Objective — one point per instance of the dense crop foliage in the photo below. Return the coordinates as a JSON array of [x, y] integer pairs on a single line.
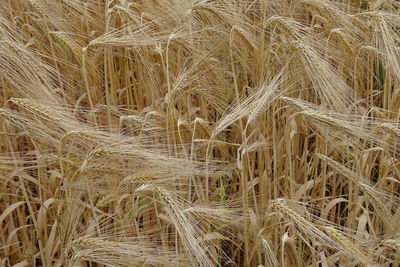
[[199, 133]]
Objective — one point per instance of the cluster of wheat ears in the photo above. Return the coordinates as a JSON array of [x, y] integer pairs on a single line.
[[199, 133]]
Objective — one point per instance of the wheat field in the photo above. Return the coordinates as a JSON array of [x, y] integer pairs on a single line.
[[199, 133]]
